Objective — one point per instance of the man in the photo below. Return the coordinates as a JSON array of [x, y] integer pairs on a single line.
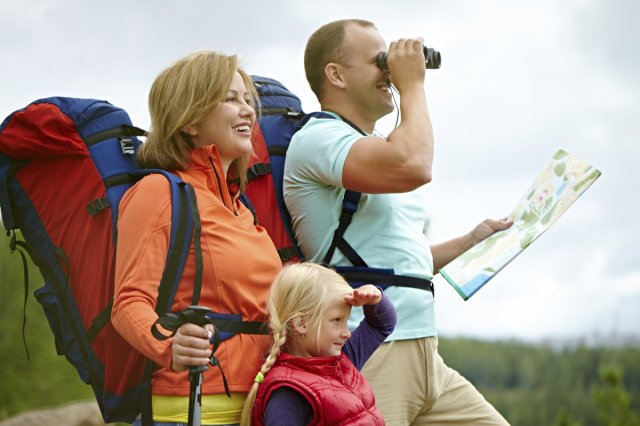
[[412, 384]]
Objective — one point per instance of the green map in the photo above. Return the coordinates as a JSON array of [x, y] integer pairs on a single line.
[[558, 186]]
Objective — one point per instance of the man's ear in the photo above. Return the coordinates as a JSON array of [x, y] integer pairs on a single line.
[[298, 324], [333, 72]]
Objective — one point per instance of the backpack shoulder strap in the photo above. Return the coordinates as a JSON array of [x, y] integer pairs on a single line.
[[247, 203], [350, 204], [185, 227]]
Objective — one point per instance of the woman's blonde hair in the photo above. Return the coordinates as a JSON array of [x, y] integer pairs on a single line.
[[299, 289], [183, 95]]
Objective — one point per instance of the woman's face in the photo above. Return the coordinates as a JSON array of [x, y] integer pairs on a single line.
[[229, 125]]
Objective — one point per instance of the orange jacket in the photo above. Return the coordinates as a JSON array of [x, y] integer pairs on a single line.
[[239, 263]]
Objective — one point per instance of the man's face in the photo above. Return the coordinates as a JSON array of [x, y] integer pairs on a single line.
[[367, 84]]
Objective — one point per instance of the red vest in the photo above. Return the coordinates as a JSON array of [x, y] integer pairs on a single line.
[[333, 387]]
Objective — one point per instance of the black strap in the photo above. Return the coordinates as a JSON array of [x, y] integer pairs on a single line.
[[21, 247], [146, 409], [122, 131], [350, 253], [101, 320], [197, 231], [173, 261], [240, 327], [66, 263], [383, 278], [247, 203], [288, 253], [123, 178], [353, 125], [349, 208], [172, 321], [285, 112], [257, 170], [277, 150]]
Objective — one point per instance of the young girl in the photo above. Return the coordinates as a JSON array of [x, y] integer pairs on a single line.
[[311, 375]]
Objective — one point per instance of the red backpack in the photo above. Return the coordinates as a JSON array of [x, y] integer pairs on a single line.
[[65, 163]]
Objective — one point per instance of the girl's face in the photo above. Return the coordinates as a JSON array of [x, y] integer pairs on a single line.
[[229, 125], [333, 331]]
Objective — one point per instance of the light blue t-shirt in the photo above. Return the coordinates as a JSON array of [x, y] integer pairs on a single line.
[[387, 231]]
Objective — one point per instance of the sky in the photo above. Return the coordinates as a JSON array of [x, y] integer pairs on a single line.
[[518, 80]]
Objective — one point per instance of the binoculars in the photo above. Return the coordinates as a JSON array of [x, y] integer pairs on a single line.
[[431, 59]]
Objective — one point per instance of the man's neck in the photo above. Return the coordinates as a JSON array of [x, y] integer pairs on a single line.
[[351, 116]]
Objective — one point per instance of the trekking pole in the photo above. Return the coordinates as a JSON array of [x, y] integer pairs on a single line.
[[195, 394], [196, 315], [172, 321]]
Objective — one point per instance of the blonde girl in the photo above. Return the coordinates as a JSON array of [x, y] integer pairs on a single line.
[[311, 374]]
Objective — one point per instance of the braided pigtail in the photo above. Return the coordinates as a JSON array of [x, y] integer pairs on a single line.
[[279, 339]]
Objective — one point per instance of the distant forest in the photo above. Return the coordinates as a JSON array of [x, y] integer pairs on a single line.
[[530, 384]]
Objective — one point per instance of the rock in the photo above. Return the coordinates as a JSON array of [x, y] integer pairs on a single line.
[[80, 413]]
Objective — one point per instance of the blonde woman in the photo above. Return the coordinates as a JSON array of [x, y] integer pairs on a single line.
[[202, 112], [311, 375]]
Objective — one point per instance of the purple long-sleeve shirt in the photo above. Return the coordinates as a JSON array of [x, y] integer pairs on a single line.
[[286, 407]]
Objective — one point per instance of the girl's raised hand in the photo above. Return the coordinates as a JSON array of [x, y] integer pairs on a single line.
[[366, 295]]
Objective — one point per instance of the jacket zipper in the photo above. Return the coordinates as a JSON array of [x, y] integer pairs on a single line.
[[215, 172]]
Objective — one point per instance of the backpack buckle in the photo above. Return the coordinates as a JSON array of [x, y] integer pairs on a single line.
[[97, 205], [259, 169], [294, 115], [126, 144]]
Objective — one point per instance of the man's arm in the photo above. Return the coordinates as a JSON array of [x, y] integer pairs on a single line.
[[403, 161], [445, 252]]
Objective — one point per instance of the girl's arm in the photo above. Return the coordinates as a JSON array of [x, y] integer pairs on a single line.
[[286, 407], [379, 322]]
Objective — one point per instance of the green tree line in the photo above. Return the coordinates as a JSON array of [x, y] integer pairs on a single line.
[[538, 384], [531, 384]]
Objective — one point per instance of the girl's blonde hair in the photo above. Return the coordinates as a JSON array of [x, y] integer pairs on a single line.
[[299, 289], [183, 95]]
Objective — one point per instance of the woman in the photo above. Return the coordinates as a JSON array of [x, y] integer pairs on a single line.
[[202, 114]]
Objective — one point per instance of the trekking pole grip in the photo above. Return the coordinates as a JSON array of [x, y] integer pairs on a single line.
[[196, 315]]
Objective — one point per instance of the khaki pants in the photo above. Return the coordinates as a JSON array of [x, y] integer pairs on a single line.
[[413, 386]]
